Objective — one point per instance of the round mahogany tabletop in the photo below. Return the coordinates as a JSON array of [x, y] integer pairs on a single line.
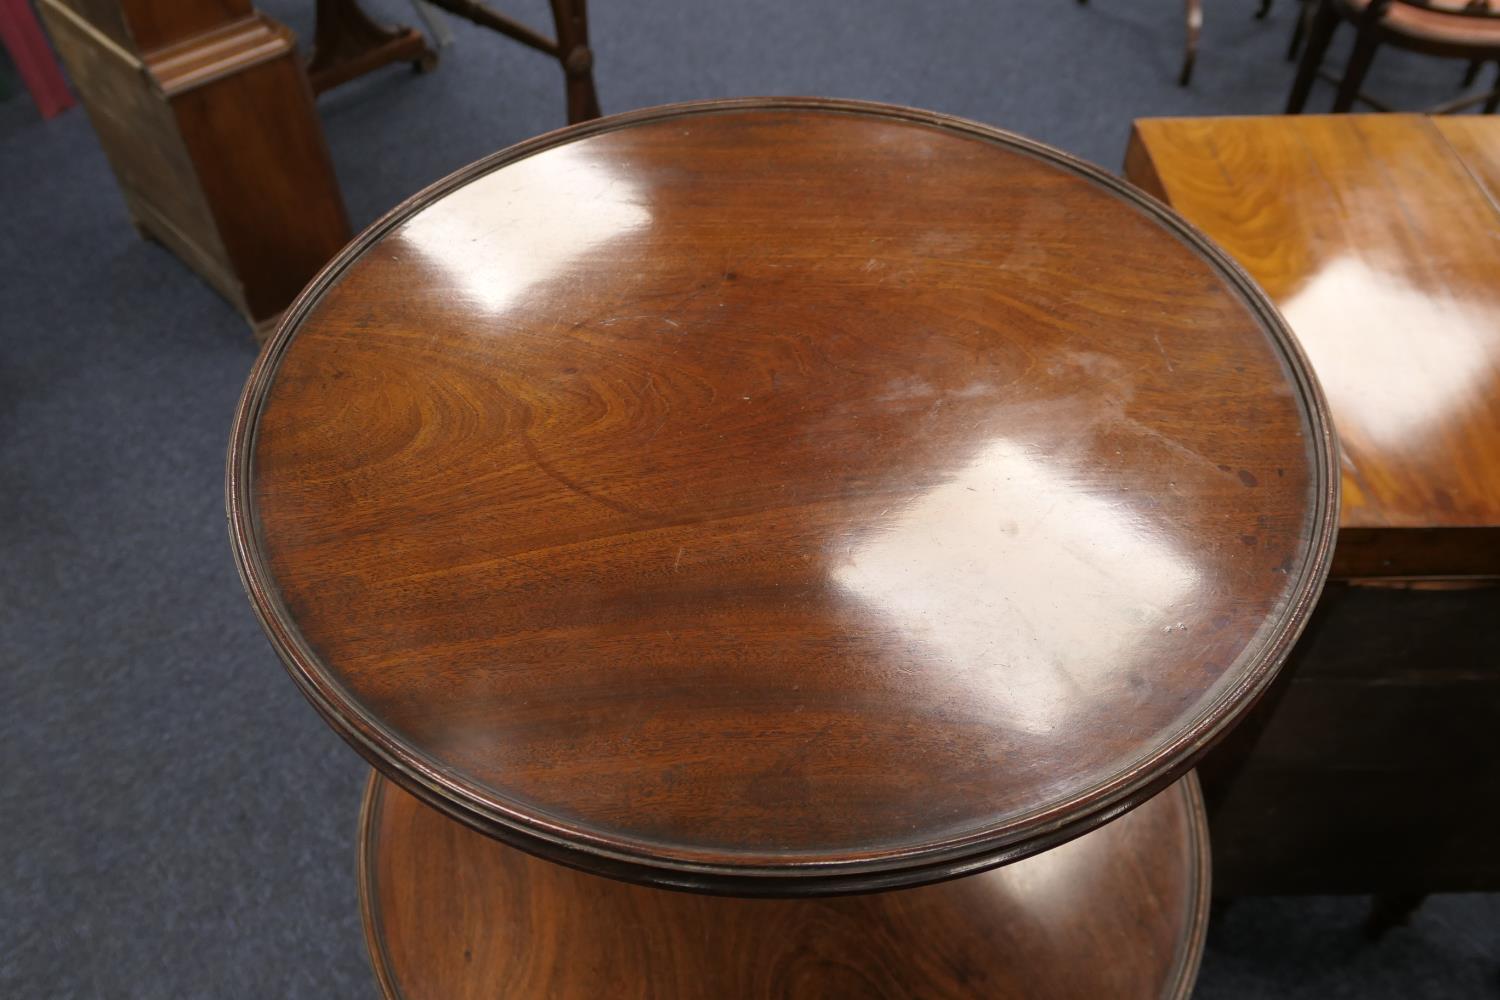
[[782, 496]]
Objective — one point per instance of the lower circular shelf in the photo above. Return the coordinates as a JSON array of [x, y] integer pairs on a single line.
[[450, 913]]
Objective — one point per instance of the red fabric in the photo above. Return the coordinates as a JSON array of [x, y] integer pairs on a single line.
[[33, 57]]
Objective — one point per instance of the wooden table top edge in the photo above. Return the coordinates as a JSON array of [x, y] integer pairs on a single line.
[[1364, 549], [1186, 964], [1190, 959], [1441, 127], [564, 843]]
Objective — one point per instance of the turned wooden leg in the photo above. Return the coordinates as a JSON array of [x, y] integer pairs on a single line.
[[572, 20], [1299, 30], [1365, 45], [1194, 11], [1325, 20]]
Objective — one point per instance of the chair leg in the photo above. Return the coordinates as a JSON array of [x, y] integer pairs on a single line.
[[1471, 73], [1319, 34], [572, 21], [1365, 44], [1194, 10], [1493, 104], [1299, 29], [1265, 8]]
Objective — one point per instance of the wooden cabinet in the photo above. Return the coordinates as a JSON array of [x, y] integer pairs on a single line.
[[205, 114], [1371, 766]]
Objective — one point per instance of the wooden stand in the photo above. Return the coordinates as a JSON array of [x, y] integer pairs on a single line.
[[348, 44], [782, 499], [208, 122], [450, 913]]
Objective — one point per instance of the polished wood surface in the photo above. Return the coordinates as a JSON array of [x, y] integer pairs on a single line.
[[781, 497], [450, 914], [1375, 235], [1366, 768], [1476, 141], [207, 120]]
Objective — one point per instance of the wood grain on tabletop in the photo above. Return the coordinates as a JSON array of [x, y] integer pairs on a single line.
[[1378, 236], [1476, 141], [782, 497]]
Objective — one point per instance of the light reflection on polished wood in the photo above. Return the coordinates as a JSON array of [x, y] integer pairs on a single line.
[[451, 914], [782, 498], [1379, 238]]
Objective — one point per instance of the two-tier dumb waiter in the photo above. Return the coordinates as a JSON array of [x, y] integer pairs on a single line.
[[782, 499]]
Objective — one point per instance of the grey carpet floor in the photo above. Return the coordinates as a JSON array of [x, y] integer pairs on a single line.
[[174, 820]]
